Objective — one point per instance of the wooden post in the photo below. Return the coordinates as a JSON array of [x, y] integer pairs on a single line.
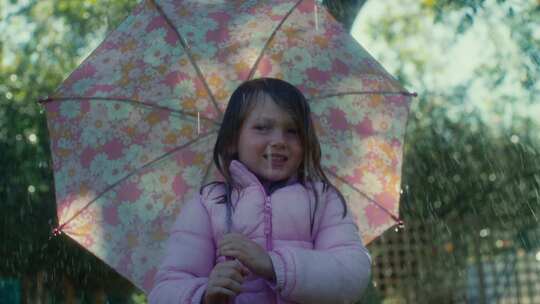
[[69, 291]]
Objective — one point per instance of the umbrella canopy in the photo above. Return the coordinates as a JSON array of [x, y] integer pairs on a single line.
[[132, 129]]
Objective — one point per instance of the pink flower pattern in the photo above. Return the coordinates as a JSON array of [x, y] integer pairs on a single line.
[[156, 155]]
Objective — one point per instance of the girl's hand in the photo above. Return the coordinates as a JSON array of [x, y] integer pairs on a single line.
[[249, 253], [225, 281]]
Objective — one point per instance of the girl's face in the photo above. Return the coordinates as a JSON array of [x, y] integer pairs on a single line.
[[269, 144]]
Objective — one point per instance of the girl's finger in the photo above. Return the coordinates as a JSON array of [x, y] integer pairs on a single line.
[[229, 242], [225, 246], [238, 255], [221, 290], [229, 284], [234, 265], [232, 273], [244, 271], [228, 248], [226, 264], [239, 248], [240, 267]]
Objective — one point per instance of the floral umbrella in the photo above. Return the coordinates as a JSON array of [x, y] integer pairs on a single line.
[[132, 128]]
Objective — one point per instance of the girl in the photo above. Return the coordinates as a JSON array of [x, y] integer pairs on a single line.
[[276, 230]]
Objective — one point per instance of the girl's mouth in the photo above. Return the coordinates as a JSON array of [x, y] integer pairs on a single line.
[[276, 160]]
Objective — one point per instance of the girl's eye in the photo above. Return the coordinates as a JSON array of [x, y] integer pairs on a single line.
[[292, 131], [261, 128]]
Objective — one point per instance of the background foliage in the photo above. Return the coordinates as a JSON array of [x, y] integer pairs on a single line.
[[471, 172]]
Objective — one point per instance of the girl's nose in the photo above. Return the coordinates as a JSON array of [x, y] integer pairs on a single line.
[[278, 138]]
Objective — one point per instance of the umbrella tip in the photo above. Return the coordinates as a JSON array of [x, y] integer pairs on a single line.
[[43, 100], [56, 232], [400, 225]]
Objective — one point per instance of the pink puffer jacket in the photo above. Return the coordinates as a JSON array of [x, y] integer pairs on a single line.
[[332, 266]]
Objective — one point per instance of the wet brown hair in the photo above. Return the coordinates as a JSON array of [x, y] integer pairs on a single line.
[[291, 100]]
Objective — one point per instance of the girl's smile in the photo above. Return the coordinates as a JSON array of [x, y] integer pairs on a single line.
[[269, 144]]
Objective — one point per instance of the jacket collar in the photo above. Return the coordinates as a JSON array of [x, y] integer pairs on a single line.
[[244, 178]]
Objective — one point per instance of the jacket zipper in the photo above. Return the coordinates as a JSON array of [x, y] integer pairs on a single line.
[[268, 226], [268, 231], [268, 222]]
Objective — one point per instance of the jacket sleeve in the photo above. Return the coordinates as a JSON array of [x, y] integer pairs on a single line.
[[337, 270], [189, 258]]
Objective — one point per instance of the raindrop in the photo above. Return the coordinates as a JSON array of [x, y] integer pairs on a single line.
[[9, 95], [514, 139], [447, 228], [538, 256], [499, 243], [484, 232], [532, 211], [186, 43], [32, 138], [456, 178], [13, 77], [431, 179], [492, 177], [316, 14], [31, 189], [18, 137], [198, 123]]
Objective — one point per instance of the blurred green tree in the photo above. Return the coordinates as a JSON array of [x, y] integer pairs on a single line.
[[42, 41], [471, 166]]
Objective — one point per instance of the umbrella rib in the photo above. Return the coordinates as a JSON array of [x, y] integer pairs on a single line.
[[405, 93], [167, 154], [394, 217], [252, 72], [190, 56], [132, 102]]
